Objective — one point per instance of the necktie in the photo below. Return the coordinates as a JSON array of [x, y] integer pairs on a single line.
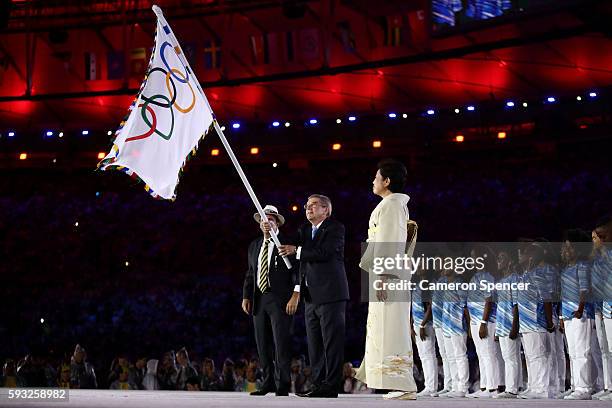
[[264, 282], [314, 231]]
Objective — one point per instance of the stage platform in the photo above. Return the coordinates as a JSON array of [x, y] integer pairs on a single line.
[[186, 399]]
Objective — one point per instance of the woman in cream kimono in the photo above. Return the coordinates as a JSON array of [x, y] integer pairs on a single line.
[[388, 360]]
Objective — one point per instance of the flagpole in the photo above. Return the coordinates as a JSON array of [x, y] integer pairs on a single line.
[[247, 185], [228, 148]]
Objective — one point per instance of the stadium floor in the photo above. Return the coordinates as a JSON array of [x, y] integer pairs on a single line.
[[184, 399]]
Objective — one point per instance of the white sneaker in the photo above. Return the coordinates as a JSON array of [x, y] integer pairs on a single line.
[[567, 392], [426, 393], [505, 395], [488, 394], [607, 397], [600, 394], [479, 394], [475, 394], [441, 392], [534, 395], [454, 394], [578, 395]]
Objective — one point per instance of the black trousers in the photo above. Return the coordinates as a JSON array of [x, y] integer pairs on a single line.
[[273, 338], [325, 327]]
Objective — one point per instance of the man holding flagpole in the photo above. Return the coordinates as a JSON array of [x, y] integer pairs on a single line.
[[270, 294], [324, 287], [165, 123]]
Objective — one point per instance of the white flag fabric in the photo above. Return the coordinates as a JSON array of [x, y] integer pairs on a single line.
[[165, 122]]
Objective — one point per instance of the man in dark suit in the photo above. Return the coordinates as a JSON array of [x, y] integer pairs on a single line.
[[320, 250], [268, 293]]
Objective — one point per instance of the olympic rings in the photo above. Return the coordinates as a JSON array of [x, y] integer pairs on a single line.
[[146, 120], [164, 101], [173, 96], [152, 127], [163, 58]]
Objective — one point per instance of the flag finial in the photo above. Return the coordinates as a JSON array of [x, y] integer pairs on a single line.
[[157, 11]]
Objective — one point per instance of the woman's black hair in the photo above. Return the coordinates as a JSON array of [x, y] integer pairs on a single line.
[[396, 173]]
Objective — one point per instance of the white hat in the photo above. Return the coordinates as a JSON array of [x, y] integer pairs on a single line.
[[272, 210]]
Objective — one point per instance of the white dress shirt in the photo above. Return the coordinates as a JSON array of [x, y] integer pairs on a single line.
[[270, 250]]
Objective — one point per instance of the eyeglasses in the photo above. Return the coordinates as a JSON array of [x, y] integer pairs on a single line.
[[307, 207]]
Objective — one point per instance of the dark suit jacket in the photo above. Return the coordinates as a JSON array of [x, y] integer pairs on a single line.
[[322, 263], [282, 280]]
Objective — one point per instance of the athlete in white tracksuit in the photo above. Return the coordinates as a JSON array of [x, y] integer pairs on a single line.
[[454, 325], [437, 309], [577, 315], [425, 337], [535, 323], [507, 328], [601, 279], [482, 309]]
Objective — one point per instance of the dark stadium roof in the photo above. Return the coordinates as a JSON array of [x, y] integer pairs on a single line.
[[351, 68]]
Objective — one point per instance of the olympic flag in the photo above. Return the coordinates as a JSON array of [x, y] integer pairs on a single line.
[[165, 122]]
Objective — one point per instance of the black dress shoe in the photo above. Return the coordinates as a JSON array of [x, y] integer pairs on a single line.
[[322, 393], [307, 394], [261, 392]]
